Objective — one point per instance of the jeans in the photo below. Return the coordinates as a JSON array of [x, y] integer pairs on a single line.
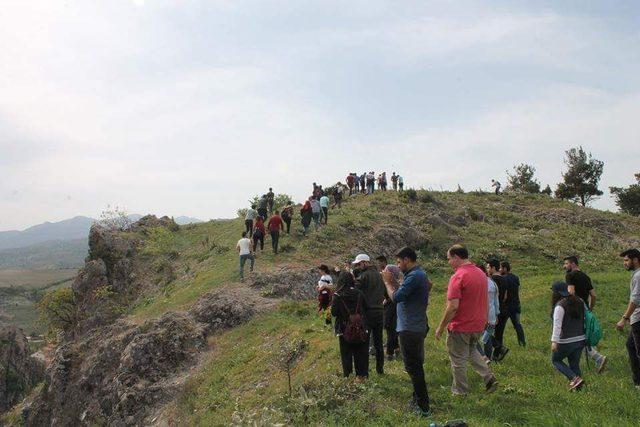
[[514, 315], [633, 348], [325, 214], [390, 323], [275, 238], [572, 353], [462, 348], [257, 239], [485, 345], [376, 325], [316, 220], [287, 222], [262, 212], [249, 226], [243, 259], [412, 348], [354, 354]]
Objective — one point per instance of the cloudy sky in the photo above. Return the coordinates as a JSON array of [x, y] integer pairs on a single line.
[[190, 107]]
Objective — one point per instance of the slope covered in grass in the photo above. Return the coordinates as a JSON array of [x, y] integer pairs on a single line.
[[240, 382]]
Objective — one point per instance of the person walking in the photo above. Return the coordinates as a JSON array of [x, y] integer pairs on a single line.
[[499, 349], [351, 180], [495, 184], [287, 216], [275, 226], [400, 183], [325, 293], [316, 211], [258, 233], [244, 251], [349, 307], [363, 182], [485, 346], [512, 301], [389, 307], [263, 205], [568, 336], [251, 215], [394, 181], [337, 195], [412, 299], [370, 282], [579, 284], [465, 318], [631, 260], [306, 214], [270, 200], [324, 205]]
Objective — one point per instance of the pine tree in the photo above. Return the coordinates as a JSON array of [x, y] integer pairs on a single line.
[[581, 178]]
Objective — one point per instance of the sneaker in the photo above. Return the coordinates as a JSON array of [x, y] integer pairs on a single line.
[[576, 383], [492, 385], [600, 364], [500, 356], [425, 413]]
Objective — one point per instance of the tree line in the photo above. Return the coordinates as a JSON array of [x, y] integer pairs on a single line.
[[579, 182]]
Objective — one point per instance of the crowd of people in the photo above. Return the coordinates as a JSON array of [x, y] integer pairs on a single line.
[[368, 297]]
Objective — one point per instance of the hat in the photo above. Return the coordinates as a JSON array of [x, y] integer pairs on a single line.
[[360, 258], [561, 288]]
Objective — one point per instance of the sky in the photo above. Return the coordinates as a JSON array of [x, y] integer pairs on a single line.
[[187, 107]]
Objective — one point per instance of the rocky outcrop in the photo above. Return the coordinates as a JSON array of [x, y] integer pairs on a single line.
[[286, 282], [19, 372], [117, 375]]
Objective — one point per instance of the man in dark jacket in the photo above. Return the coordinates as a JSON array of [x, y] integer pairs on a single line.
[[370, 282]]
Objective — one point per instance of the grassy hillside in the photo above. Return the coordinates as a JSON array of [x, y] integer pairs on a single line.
[[240, 382]]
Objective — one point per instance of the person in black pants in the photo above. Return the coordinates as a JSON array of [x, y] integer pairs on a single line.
[[390, 315], [348, 300], [371, 284], [631, 258], [287, 215]]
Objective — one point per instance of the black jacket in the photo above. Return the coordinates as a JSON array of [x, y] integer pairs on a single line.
[[370, 282], [348, 296]]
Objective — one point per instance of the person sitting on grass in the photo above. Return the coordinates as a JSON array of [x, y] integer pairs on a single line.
[[568, 337]]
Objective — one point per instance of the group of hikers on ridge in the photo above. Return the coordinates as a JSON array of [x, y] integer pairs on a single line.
[[367, 298]]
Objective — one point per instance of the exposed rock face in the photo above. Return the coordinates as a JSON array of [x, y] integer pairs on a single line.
[[117, 375], [148, 221], [19, 372], [287, 283]]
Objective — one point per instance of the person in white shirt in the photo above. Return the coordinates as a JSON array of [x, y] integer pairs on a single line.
[[244, 250]]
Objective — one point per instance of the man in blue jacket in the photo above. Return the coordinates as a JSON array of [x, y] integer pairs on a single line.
[[412, 298]]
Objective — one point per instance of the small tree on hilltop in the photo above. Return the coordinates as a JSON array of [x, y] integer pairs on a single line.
[[628, 199], [522, 179], [581, 178], [547, 190], [58, 310], [115, 218]]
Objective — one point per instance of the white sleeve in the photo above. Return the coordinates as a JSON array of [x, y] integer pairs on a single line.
[[558, 316]]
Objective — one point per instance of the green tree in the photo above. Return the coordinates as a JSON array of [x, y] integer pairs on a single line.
[[522, 179], [547, 190], [58, 310], [580, 181], [628, 199]]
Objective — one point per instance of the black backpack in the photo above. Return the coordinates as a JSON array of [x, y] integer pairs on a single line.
[[354, 331]]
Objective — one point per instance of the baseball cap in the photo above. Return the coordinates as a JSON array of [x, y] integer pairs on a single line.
[[360, 258]]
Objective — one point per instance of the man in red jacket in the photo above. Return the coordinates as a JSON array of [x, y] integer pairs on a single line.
[[275, 226]]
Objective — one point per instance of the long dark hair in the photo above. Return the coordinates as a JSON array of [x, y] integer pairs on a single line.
[[572, 305], [345, 279]]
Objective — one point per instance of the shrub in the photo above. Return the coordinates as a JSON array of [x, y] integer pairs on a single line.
[[289, 353], [58, 310]]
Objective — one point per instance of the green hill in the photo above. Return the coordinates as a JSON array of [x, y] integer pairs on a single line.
[[237, 381]]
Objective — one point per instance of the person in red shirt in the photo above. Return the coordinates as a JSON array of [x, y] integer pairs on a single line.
[[350, 181], [258, 233], [275, 225], [465, 319]]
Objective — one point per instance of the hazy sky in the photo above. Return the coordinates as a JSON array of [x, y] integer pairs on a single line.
[[191, 107]]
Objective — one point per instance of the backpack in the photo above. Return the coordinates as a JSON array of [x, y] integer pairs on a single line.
[[354, 331], [592, 328]]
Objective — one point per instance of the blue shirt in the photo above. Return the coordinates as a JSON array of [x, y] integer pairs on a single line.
[[324, 201], [413, 297]]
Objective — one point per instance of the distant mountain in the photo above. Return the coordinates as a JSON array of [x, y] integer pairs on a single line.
[[51, 232], [55, 254], [69, 229], [182, 220]]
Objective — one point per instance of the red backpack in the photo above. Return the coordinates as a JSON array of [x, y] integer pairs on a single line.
[[354, 331]]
